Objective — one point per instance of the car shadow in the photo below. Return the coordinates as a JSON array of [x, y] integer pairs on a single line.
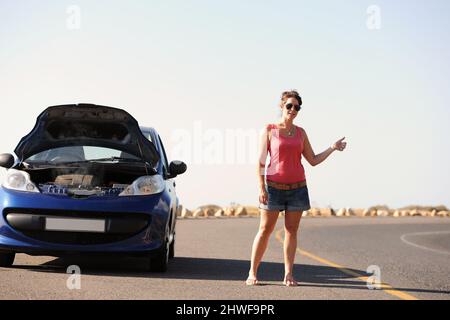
[[190, 268]]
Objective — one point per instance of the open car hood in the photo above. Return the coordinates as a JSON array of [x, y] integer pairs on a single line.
[[87, 125]]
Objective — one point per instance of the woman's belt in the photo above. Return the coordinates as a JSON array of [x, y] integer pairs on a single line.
[[286, 186]]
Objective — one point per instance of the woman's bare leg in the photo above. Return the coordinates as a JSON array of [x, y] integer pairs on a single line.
[[291, 224], [267, 224]]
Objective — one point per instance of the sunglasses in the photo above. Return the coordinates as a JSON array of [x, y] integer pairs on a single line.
[[296, 107]]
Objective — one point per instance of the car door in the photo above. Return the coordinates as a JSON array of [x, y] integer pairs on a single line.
[[170, 183]]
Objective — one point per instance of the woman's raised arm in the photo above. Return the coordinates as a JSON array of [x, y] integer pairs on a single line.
[[314, 159]]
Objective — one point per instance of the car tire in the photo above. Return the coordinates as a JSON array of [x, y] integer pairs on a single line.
[[6, 259], [159, 262], [172, 248]]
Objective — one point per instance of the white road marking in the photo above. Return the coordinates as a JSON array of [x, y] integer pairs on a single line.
[[403, 238]]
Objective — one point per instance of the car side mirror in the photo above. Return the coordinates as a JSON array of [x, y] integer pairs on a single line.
[[177, 167], [6, 160]]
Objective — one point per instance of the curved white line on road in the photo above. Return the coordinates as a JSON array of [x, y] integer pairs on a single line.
[[403, 238]]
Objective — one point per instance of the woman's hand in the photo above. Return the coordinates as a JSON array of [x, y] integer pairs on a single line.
[[263, 196], [339, 145]]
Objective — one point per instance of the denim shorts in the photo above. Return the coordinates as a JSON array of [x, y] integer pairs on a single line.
[[286, 200]]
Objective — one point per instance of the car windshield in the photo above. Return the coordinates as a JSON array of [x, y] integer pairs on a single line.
[[79, 154]]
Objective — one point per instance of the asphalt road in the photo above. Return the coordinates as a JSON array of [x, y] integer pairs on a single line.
[[212, 260]]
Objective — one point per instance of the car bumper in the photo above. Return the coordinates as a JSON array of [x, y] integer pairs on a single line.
[[16, 236]]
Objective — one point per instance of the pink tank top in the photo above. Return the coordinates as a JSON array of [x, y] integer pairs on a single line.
[[285, 157]]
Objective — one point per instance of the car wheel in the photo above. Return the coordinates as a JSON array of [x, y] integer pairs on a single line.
[[6, 259], [172, 248], [159, 262]]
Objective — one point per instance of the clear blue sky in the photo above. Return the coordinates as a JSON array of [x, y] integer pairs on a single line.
[[175, 64]]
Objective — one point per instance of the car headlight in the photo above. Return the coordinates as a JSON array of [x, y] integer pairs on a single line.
[[145, 185], [19, 180]]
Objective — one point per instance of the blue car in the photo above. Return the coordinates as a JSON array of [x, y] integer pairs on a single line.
[[88, 180]]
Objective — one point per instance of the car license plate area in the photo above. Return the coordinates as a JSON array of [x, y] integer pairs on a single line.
[[75, 225]]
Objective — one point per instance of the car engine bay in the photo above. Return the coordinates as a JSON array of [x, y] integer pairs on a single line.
[[85, 180]]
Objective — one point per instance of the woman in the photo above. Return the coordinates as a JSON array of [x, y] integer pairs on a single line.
[[283, 185]]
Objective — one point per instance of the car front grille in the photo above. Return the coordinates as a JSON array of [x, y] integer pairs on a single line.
[[79, 193], [120, 226], [74, 238]]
